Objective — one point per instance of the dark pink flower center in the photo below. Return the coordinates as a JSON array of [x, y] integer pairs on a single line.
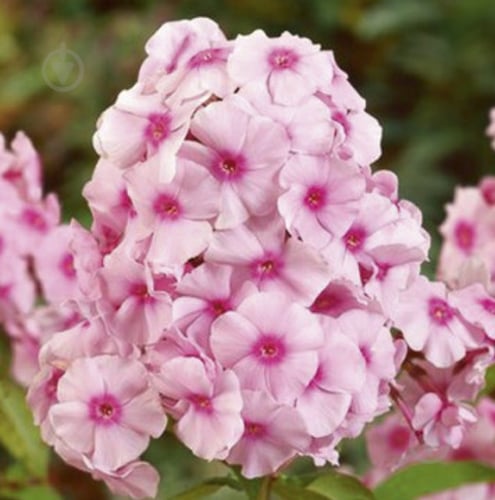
[[440, 312], [398, 438], [166, 207], [488, 305], [464, 235], [269, 349], [488, 190], [229, 166], [315, 198], [66, 265], [267, 267], [281, 59], [254, 430], [140, 291], [158, 128], [205, 57], [52, 383], [202, 403], [326, 302], [34, 219], [5, 291], [218, 307], [341, 118], [354, 239], [105, 410]]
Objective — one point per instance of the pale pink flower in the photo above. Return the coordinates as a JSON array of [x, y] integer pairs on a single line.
[[490, 130], [21, 167], [55, 266], [476, 306], [259, 252], [273, 434], [322, 199], [103, 415], [177, 214], [441, 422], [140, 307], [290, 65], [341, 372], [207, 403], [431, 323], [142, 128], [270, 343], [243, 153]]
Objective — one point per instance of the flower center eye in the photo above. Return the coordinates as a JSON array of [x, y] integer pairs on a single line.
[[489, 305], [158, 128], [106, 410], [167, 207], [253, 429], [354, 239], [440, 312], [229, 166], [268, 350], [267, 266]]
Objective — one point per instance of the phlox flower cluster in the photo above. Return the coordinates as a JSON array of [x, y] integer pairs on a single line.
[[35, 261], [243, 271]]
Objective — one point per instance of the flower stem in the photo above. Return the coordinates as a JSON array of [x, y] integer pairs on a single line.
[[265, 489]]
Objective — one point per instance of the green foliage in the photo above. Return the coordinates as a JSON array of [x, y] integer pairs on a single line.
[[421, 479]]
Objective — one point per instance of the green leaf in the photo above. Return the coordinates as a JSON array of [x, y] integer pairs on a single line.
[[337, 486], [489, 381], [417, 480], [207, 488], [292, 492], [18, 433]]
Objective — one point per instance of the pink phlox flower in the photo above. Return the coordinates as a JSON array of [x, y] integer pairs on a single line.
[[107, 417], [341, 372], [209, 405], [142, 128], [270, 343], [430, 322], [21, 167], [441, 422], [290, 66], [177, 214], [259, 252], [55, 266], [177, 45], [243, 153], [135, 308], [309, 125], [273, 435], [207, 292], [322, 200]]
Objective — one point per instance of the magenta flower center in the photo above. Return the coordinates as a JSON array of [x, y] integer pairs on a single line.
[[464, 235], [105, 410], [166, 207], [34, 219], [354, 239], [282, 58], [205, 57], [267, 267], [315, 198], [488, 305], [202, 403], [66, 265], [158, 128], [254, 430], [398, 438], [218, 307], [440, 312], [229, 167], [269, 349]]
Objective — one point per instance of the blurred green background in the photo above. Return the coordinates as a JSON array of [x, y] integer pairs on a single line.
[[426, 68]]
